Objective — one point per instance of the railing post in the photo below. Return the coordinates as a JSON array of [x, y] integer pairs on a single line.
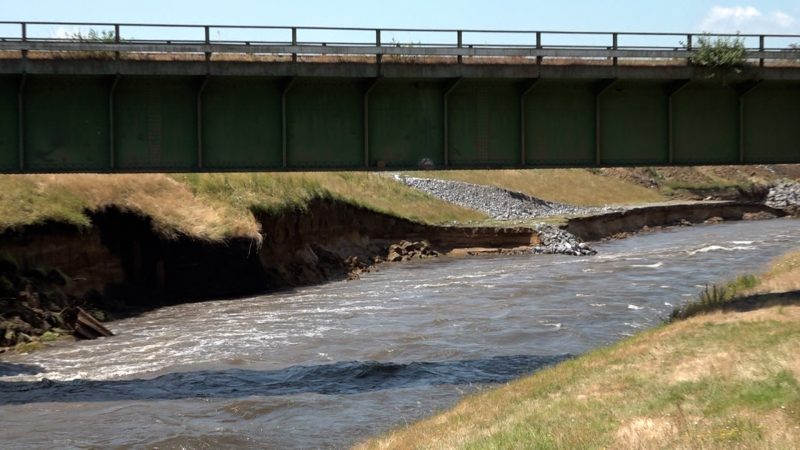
[[761, 48], [116, 41], [24, 38], [689, 45], [294, 43], [378, 56], [614, 46], [208, 41], [539, 46], [460, 36]]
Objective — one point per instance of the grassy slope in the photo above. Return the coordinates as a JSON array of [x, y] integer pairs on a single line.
[[573, 186], [208, 206], [713, 381], [218, 206]]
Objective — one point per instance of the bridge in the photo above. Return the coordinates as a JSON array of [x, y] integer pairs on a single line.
[[106, 97]]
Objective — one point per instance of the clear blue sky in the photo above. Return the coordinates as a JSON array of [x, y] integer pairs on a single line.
[[778, 16]]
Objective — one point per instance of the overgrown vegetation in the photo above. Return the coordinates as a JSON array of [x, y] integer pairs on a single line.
[[719, 52], [93, 36]]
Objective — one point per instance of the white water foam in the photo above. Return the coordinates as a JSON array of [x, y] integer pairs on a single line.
[[648, 266], [713, 248]]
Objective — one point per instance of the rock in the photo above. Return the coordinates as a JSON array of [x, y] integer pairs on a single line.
[[23, 338], [762, 215], [498, 203], [394, 257], [785, 194], [554, 240], [10, 336], [715, 220]]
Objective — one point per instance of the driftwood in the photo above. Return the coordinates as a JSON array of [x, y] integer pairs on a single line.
[[87, 327]]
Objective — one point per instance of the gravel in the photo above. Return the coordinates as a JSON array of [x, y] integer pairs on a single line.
[[497, 203], [502, 204], [556, 241], [783, 195]]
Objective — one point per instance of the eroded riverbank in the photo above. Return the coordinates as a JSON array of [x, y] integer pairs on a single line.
[[331, 364], [121, 267]]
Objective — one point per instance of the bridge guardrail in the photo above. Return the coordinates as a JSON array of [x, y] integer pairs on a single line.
[[207, 40]]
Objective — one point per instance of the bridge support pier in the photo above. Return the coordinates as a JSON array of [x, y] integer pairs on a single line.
[[369, 90], [284, 123], [604, 86], [111, 138], [742, 96], [673, 91], [21, 121], [450, 89], [528, 87], [200, 122]]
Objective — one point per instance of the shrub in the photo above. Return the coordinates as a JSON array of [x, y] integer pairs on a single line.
[[720, 52], [714, 297]]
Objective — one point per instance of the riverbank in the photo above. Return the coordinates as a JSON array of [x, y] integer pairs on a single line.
[[717, 380], [124, 244]]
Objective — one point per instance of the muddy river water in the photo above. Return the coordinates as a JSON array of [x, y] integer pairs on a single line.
[[327, 366]]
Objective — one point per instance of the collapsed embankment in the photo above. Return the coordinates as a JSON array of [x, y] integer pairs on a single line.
[[593, 228], [121, 266]]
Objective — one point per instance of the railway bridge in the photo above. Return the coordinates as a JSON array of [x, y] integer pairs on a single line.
[[79, 97]]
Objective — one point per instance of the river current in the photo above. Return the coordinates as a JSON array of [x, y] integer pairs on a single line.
[[330, 365]]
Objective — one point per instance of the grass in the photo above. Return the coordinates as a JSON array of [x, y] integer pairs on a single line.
[[280, 191], [714, 297], [573, 186], [716, 380], [208, 206]]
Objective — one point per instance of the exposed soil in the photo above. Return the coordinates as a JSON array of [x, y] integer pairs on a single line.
[[121, 266]]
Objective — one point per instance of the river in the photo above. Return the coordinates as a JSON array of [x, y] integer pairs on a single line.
[[327, 366]]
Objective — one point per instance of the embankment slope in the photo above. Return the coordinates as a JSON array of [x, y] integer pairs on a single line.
[[719, 380]]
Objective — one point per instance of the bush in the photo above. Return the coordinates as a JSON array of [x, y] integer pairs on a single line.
[[714, 298], [721, 52], [93, 36]]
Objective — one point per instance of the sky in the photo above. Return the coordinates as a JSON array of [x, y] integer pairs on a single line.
[[770, 16]]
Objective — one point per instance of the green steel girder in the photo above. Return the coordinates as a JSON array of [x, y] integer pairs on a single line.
[[56, 123]]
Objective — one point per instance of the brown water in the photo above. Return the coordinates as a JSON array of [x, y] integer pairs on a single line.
[[327, 366]]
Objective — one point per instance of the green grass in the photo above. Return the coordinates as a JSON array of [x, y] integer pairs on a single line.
[[28, 201]]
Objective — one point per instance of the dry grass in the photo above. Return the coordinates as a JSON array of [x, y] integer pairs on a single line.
[[573, 186], [31, 199], [670, 180], [718, 380], [277, 191], [208, 206], [783, 276]]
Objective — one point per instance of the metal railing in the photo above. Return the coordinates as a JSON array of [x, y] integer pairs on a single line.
[[120, 38]]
